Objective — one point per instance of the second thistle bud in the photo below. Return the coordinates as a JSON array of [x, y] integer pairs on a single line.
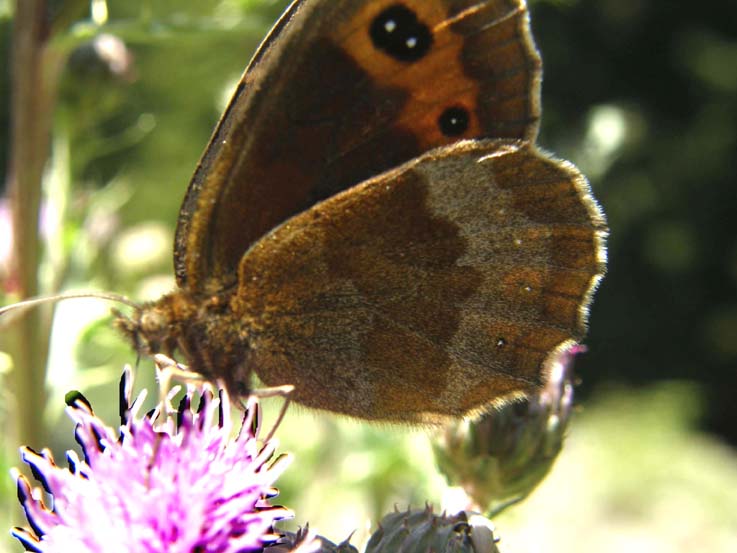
[[420, 531]]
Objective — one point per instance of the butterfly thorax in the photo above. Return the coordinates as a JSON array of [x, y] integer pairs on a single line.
[[196, 329]]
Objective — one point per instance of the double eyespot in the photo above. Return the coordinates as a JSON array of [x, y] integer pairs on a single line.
[[399, 33]]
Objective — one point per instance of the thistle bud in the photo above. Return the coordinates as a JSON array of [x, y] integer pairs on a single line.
[[499, 458], [420, 531]]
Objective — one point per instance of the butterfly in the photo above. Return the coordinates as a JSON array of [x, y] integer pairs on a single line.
[[372, 222]]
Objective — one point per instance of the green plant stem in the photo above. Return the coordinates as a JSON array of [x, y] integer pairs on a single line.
[[34, 74]]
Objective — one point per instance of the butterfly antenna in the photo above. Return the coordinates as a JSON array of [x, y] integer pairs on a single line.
[[33, 302]]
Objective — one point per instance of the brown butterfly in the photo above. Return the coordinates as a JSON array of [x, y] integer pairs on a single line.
[[372, 222]]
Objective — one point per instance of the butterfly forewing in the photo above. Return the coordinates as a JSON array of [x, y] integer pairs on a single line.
[[341, 91]]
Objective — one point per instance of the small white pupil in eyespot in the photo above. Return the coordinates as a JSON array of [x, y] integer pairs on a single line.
[[390, 26], [411, 42]]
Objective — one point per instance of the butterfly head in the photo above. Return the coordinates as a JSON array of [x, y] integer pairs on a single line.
[[194, 329], [149, 329]]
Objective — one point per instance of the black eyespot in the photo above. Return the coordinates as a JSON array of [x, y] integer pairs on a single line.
[[454, 121], [399, 33]]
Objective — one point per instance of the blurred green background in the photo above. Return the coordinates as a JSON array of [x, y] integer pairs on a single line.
[[641, 95]]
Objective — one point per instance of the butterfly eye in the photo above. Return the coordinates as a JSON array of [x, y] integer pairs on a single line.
[[454, 121], [397, 32]]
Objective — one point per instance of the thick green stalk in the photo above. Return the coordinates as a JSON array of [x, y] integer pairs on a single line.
[[33, 91]]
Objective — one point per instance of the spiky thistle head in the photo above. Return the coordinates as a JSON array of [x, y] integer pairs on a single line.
[[177, 482]]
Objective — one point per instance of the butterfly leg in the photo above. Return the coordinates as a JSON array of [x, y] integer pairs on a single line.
[[284, 391], [168, 370]]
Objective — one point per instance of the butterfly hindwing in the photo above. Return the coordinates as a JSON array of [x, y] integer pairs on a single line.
[[429, 291]]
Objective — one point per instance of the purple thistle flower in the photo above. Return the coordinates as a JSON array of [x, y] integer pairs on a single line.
[[158, 484]]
